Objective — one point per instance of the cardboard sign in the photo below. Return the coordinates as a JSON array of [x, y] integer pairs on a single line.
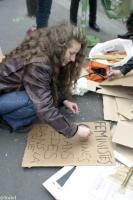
[[46, 147]]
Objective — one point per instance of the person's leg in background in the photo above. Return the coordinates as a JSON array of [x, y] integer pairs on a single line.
[[17, 109], [129, 26], [43, 13], [92, 15], [31, 7], [74, 11]]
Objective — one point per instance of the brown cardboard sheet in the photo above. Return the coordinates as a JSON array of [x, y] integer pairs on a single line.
[[122, 118], [83, 72], [126, 81], [46, 147], [124, 133], [110, 108], [117, 91], [125, 107], [93, 85], [123, 150]]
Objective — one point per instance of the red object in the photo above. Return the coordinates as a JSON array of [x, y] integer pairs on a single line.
[[97, 71]]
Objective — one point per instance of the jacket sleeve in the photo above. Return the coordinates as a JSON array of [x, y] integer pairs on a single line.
[[62, 98], [38, 86], [127, 67]]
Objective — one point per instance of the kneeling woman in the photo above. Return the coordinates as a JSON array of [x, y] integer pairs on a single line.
[[37, 77]]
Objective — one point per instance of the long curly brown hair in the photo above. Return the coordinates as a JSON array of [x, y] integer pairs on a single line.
[[51, 44]]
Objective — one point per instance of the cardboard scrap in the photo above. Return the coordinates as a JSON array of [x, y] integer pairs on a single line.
[[125, 107], [123, 150], [117, 91], [46, 147], [93, 85], [124, 133], [126, 81], [117, 109], [110, 108], [83, 72], [121, 118]]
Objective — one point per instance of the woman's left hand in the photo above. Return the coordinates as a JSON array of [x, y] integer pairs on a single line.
[[71, 106]]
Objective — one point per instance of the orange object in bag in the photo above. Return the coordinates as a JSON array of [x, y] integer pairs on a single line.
[[97, 71]]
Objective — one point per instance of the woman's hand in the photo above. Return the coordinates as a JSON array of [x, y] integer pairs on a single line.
[[83, 132], [73, 107]]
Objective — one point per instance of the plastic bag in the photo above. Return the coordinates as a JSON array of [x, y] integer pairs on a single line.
[[116, 45], [81, 87]]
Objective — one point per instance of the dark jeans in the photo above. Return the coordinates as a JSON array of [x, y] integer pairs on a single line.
[[43, 13], [17, 109], [74, 11]]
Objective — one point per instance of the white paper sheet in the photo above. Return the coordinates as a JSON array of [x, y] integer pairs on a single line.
[[93, 183]]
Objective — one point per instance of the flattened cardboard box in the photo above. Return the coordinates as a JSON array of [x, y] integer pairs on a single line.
[[118, 91], [125, 107], [126, 81], [124, 151], [124, 133], [46, 147], [110, 108]]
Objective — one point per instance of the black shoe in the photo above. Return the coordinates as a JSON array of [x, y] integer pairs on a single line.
[[126, 36], [94, 26]]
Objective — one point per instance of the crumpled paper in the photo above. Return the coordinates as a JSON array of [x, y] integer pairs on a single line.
[[81, 87]]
